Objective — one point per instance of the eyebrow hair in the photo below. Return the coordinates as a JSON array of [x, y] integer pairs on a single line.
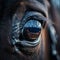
[[38, 6], [33, 4]]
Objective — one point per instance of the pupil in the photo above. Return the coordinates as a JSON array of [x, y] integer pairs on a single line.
[[32, 29]]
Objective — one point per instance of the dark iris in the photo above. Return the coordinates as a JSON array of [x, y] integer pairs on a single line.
[[31, 30]]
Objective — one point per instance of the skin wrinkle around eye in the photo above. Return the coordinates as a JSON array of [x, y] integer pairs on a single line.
[[38, 7], [34, 5]]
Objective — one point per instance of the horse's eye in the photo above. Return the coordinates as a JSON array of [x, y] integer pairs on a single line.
[[31, 30]]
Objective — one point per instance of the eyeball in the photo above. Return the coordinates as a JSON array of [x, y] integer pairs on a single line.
[[31, 30]]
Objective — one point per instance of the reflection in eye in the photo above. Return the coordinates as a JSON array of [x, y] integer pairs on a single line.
[[31, 30], [33, 23]]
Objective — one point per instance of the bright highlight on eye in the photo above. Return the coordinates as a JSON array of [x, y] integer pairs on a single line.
[[33, 23]]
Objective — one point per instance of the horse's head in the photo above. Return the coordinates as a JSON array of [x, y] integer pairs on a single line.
[[26, 29]]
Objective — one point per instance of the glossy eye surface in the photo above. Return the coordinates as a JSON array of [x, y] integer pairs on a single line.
[[33, 23], [31, 30]]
